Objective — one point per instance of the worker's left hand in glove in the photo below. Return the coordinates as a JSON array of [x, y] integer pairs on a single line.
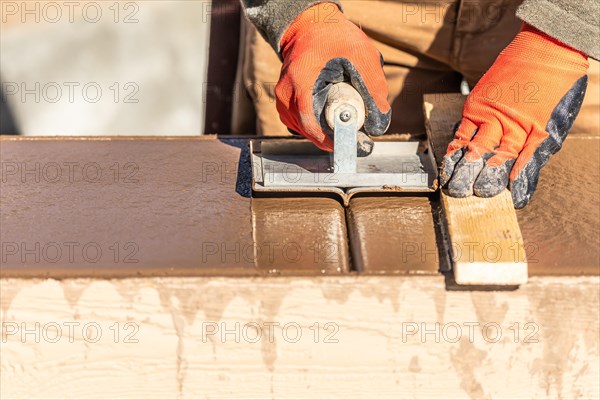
[[516, 117], [319, 49]]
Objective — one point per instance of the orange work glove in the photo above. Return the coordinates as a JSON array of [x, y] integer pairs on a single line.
[[319, 49], [516, 117]]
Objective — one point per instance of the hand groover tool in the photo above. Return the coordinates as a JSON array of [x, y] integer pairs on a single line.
[[298, 166]]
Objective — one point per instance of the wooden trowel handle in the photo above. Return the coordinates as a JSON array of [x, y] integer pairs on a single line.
[[343, 93]]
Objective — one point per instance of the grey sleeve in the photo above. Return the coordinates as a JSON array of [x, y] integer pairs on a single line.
[[273, 17], [573, 22]]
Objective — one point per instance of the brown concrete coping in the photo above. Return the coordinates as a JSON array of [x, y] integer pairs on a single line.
[[393, 235], [145, 207], [561, 225], [155, 206], [122, 208], [300, 236]]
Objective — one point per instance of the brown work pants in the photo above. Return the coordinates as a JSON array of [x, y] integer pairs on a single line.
[[428, 47]]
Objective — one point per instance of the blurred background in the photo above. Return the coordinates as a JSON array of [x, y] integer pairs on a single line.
[[141, 68], [118, 67]]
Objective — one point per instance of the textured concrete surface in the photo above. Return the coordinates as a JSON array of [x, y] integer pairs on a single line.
[[300, 236], [393, 235], [97, 69], [113, 208], [561, 226], [123, 207]]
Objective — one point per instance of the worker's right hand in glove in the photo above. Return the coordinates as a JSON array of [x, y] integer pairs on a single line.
[[319, 49]]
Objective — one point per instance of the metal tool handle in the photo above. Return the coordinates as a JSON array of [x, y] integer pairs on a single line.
[[345, 114]]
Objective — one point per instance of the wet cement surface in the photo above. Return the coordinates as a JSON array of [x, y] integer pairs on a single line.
[[393, 235], [122, 208], [157, 207], [561, 225], [146, 207], [300, 236]]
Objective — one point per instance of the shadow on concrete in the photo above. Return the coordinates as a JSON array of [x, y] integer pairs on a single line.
[[243, 185]]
